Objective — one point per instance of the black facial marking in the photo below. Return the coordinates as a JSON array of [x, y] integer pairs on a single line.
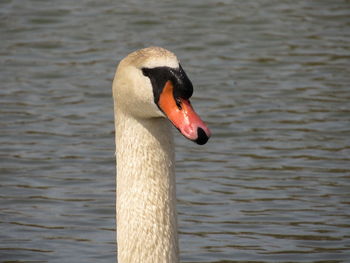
[[160, 75]]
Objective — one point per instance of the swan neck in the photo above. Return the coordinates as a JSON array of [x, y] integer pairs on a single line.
[[146, 194]]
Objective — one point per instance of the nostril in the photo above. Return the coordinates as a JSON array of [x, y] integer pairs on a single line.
[[202, 137], [178, 103]]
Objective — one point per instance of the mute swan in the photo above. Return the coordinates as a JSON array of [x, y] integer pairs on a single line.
[[149, 89]]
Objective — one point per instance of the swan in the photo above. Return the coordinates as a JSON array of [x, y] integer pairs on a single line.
[[151, 92]]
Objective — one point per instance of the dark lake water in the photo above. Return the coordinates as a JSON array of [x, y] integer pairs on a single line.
[[272, 80]]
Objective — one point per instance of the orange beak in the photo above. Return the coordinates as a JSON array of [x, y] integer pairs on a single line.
[[182, 115]]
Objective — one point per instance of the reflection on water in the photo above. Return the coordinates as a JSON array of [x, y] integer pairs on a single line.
[[271, 80]]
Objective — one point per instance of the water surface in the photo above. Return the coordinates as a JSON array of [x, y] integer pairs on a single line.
[[271, 80]]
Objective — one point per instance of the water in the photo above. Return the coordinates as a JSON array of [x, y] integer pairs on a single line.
[[271, 80]]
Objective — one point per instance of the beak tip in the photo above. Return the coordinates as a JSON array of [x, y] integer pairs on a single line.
[[203, 137]]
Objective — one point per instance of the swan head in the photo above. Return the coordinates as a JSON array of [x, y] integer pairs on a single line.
[[150, 83]]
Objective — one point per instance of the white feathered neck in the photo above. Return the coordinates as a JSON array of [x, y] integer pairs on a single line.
[[146, 194]]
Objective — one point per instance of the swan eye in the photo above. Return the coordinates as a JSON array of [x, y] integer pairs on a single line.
[[160, 75]]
